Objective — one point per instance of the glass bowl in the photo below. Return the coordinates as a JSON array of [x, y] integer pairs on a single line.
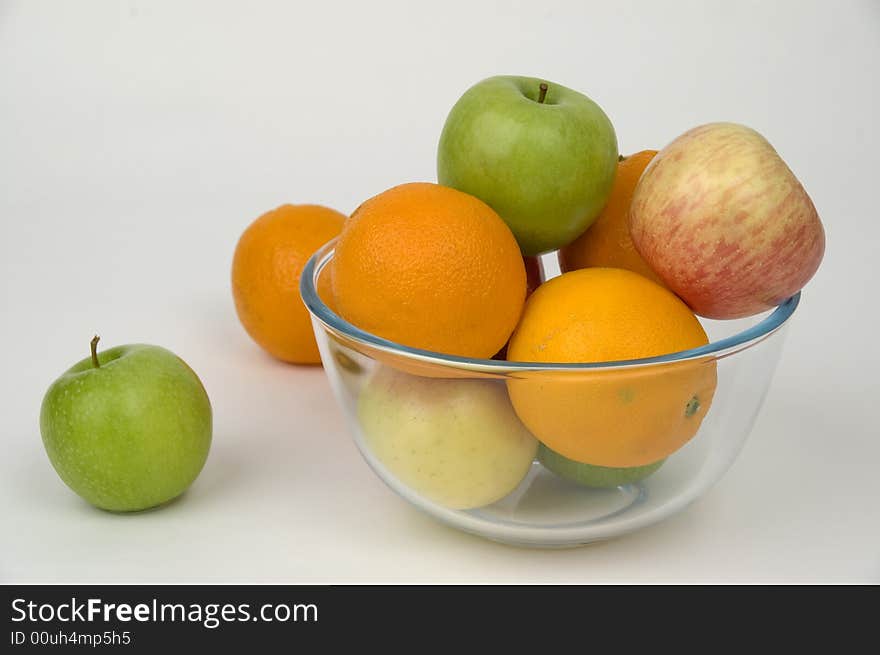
[[465, 440]]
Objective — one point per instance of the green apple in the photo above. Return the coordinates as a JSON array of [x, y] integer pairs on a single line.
[[457, 442], [589, 475], [541, 155], [129, 428]]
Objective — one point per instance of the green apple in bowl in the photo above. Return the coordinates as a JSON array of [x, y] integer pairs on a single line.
[[456, 442], [541, 155], [590, 475], [128, 428]]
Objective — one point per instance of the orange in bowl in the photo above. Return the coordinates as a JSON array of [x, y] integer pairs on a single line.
[[432, 268], [607, 242], [610, 417]]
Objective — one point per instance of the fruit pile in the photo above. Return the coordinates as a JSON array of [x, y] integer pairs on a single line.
[[714, 224]]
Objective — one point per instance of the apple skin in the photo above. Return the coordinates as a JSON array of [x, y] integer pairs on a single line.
[[456, 442], [724, 222], [546, 168], [589, 475], [534, 279], [131, 434], [534, 274]]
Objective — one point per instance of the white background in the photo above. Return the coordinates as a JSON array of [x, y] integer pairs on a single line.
[[137, 141]]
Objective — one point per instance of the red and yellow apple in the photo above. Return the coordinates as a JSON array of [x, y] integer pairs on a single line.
[[724, 222]]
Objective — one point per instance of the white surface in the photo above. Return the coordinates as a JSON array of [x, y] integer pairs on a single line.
[[139, 139]]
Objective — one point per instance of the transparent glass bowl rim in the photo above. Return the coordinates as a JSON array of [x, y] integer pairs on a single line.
[[716, 349]]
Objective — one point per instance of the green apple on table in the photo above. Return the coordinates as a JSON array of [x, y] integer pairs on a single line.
[[541, 155], [128, 428]]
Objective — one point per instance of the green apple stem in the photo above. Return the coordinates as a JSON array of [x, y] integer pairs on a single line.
[[95, 362], [542, 92]]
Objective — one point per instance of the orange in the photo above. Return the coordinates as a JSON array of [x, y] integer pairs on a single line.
[[266, 268], [430, 267], [607, 242], [611, 417]]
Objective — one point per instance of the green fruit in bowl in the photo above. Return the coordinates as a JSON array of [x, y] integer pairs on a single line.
[[456, 442], [541, 155], [588, 475], [128, 428]]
